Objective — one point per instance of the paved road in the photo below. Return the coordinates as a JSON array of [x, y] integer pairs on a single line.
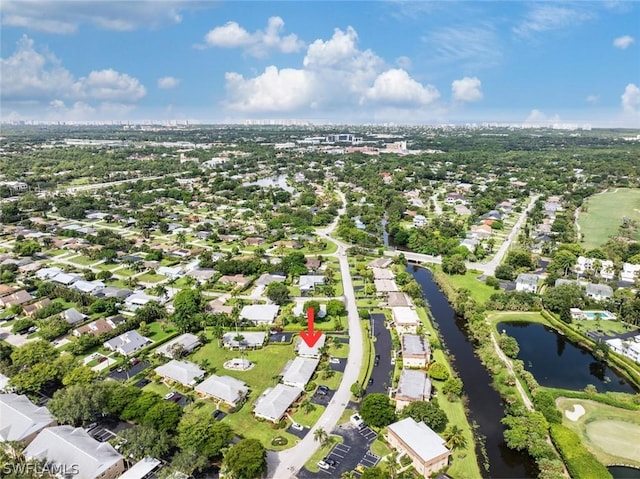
[[381, 374], [285, 464]]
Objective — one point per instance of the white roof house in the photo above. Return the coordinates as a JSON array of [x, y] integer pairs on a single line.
[[383, 273], [527, 282], [249, 339], [20, 419], [127, 343], [260, 313], [89, 287], [629, 272], [48, 273], [72, 449], [425, 448], [306, 351], [170, 272], [4, 382], [137, 300], [406, 319], [599, 292], [141, 469], [298, 371], [184, 372], [187, 341], [66, 279], [274, 402], [629, 347], [224, 388], [308, 282]]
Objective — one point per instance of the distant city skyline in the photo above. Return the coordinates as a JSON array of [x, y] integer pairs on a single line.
[[360, 62]]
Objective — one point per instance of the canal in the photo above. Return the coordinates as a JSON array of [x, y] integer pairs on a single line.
[[485, 404]]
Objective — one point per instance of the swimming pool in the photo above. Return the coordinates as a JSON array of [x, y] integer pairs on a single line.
[[603, 314]]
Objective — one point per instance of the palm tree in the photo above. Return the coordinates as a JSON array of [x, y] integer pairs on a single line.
[[348, 475], [320, 435], [307, 406], [455, 437], [181, 238]]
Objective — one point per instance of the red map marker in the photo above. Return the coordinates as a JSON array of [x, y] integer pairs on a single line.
[[310, 336]]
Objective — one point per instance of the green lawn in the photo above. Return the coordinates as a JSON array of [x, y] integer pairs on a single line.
[[341, 351], [150, 278], [157, 334], [125, 272], [82, 260], [308, 419], [479, 291], [379, 447], [158, 388], [269, 362], [604, 213], [519, 317]]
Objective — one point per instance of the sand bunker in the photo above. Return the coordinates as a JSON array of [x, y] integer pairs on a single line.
[[577, 413]]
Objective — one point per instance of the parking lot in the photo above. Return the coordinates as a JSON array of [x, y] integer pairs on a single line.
[[381, 374], [353, 451], [322, 399]]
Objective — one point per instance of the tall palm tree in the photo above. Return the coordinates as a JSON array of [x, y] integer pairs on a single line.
[[455, 437], [320, 435]]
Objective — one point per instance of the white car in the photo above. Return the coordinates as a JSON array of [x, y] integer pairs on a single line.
[[297, 427], [323, 465], [169, 396], [334, 360], [356, 420]]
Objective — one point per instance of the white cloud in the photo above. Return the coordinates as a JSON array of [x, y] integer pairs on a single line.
[[257, 44], [467, 89], [335, 76], [37, 77], [273, 91], [395, 87], [536, 117], [623, 42], [79, 111], [110, 85], [65, 17], [631, 99], [168, 82], [544, 17], [592, 99]]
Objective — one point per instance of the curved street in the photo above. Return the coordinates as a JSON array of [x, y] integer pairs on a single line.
[[285, 464]]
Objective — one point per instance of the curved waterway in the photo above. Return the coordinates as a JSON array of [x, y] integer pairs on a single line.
[[557, 362], [485, 404]]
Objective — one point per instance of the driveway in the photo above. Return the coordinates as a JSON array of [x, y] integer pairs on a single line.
[[381, 374], [125, 376]]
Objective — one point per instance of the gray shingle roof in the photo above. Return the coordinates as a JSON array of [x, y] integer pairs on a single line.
[[414, 344], [414, 385]]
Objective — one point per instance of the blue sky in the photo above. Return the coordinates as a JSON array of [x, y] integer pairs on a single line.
[[341, 62]]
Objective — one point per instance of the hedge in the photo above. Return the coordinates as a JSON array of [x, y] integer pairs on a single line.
[[580, 463]]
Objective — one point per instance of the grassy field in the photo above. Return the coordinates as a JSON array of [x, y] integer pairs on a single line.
[[606, 431], [157, 334], [604, 215], [520, 317], [479, 291]]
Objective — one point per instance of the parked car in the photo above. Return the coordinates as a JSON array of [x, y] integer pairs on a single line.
[[356, 420], [323, 465], [370, 382], [334, 360], [323, 390], [169, 396], [91, 426], [216, 414], [134, 361], [297, 427], [331, 462]]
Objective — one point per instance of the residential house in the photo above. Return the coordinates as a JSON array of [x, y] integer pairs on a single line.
[[31, 309], [383, 273], [629, 347], [416, 352], [419, 221], [73, 316], [481, 232], [397, 299], [114, 292], [599, 292], [274, 402], [217, 306], [383, 262], [421, 444], [46, 274], [183, 372], [385, 286], [66, 279], [265, 279], [74, 451], [244, 340], [186, 343], [405, 319], [527, 283], [229, 390], [4, 383], [306, 351], [174, 272], [470, 243], [96, 327], [602, 267], [253, 241], [138, 300], [89, 287], [630, 272], [313, 264], [20, 419], [260, 313], [308, 282], [202, 275], [298, 371], [5, 290], [127, 343], [413, 386], [237, 279], [142, 469], [18, 298]]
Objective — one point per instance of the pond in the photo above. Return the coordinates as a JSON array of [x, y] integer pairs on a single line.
[[556, 362]]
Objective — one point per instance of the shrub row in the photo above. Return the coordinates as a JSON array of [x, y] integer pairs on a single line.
[[580, 463]]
